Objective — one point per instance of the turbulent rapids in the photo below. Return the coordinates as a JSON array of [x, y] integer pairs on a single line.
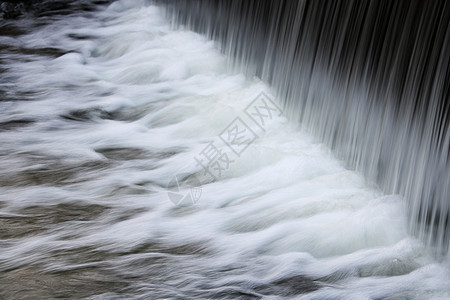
[[369, 78], [224, 149]]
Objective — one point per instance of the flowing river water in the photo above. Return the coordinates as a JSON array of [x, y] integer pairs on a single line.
[[101, 109]]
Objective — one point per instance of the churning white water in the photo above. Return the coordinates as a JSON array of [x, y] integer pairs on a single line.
[[102, 130]]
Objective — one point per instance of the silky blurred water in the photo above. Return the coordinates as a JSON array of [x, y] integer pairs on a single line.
[[99, 112]]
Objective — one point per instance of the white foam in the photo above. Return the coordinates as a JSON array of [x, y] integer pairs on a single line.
[[286, 200]]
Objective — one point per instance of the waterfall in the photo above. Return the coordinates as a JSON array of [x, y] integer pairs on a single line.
[[370, 79], [181, 149]]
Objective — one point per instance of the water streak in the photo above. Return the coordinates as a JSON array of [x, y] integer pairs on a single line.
[[369, 78]]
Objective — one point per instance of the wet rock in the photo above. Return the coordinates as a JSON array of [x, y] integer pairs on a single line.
[[12, 9]]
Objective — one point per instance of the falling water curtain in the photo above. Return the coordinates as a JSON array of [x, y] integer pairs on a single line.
[[368, 78]]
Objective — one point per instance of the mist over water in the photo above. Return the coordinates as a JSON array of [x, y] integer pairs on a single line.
[[101, 109]]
